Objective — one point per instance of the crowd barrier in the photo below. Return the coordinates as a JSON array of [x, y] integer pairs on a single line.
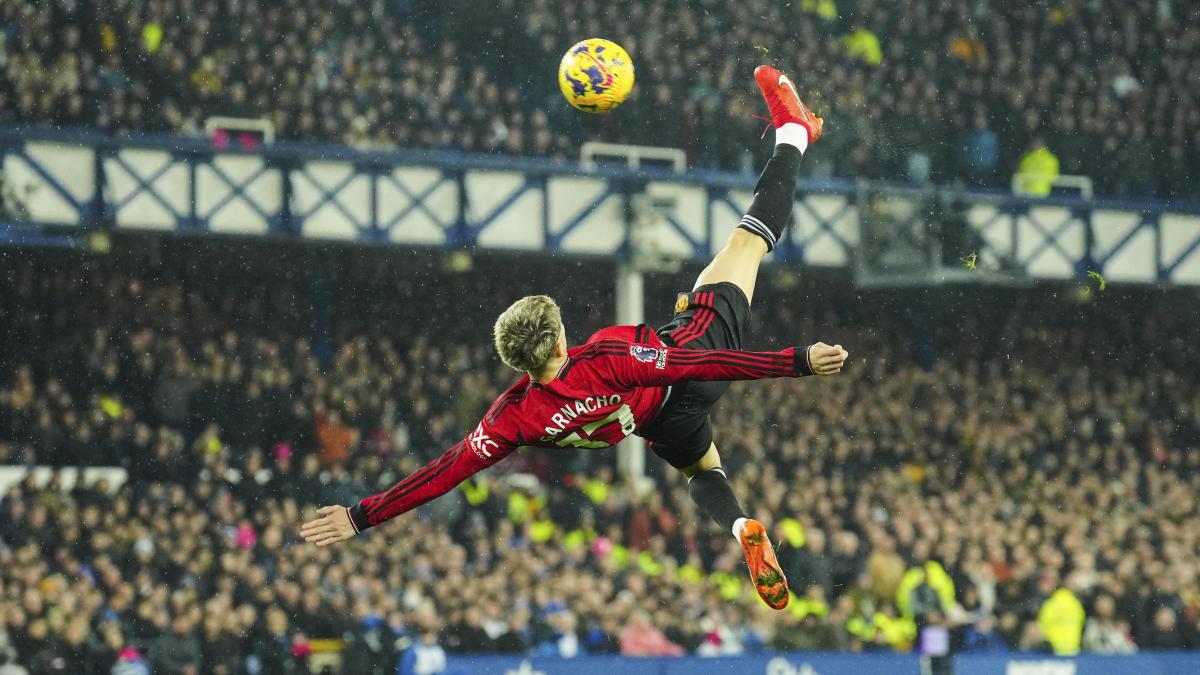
[[1163, 663]]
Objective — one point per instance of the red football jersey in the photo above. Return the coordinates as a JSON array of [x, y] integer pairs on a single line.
[[608, 388]]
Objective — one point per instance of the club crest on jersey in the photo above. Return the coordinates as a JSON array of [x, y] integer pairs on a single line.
[[649, 355], [681, 304]]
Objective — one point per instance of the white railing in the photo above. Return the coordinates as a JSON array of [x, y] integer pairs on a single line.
[[1071, 182], [633, 155]]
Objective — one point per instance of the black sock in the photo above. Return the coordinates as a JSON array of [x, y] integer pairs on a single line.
[[711, 492], [774, 195]]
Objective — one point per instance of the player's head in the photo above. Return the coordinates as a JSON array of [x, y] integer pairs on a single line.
[[530, 333]]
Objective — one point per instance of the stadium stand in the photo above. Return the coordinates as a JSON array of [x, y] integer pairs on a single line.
[[1023, 487], [918, 91]]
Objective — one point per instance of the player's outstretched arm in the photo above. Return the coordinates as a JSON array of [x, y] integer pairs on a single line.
[[645, 365], [826, 360], [332, 525], [476, 452]]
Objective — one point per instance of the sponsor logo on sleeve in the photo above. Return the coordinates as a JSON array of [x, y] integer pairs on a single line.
[[649, 355], [481, 442]]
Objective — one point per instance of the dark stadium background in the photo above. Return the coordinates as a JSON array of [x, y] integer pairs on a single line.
[[1009, 461]]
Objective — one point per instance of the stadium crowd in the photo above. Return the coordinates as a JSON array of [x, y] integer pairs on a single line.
[[966, 90], [1032, 488]]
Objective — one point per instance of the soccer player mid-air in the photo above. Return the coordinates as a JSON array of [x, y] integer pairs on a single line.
[[656, 383]]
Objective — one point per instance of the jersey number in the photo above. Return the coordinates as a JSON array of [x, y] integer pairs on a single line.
[[622, 416]]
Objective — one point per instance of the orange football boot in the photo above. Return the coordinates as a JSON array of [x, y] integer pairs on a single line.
[[784, 103], [765, 574]]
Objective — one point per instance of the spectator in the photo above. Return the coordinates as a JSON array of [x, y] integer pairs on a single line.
[[965, 480], [981, 637], [394, 83], [1061, 622], [518, 639], [1166, 633], [8, 651], [469, 635], [177, 652], [641, 638], [1103, 634], [603, 639], [371, 648], [274, 651], [862, 45], [425, 657], [1037, 170], [981, 151], [334, 436], [811, 564], [563, 639], [130, 662]]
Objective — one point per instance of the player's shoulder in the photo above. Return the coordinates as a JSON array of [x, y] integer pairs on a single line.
[[614, 342], [511, 397], [639, 334]]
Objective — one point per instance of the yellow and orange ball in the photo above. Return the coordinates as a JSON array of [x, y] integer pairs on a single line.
[[595, 75]]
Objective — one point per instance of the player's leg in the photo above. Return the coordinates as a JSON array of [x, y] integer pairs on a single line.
[[737, 263], [710, 490], [762, 226]]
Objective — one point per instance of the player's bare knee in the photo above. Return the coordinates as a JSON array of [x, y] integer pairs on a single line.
[[710, 460], [737, 263]]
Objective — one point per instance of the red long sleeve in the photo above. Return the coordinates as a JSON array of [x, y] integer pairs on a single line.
[[635, 365], [604, 386], [464, 459]]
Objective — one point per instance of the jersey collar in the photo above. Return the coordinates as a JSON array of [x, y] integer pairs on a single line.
[[561, 371]]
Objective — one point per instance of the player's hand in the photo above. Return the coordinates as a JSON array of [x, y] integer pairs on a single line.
[[826, 360], [332, 526]]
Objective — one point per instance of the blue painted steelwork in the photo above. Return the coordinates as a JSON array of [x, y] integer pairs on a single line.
[[24, 235], [419, 203], [330, 197], [303, 198]]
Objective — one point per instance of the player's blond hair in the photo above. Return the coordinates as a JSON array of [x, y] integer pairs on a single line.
[[527, 331]]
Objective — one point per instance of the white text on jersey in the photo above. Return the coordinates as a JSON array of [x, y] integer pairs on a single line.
[[570, 411]]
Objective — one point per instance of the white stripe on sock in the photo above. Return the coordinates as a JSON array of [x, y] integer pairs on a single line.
[[757, 227], [761, 231], [794, 135], [761, 225], [737, 528]]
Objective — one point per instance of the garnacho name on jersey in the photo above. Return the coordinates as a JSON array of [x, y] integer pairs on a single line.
[[566, 414]]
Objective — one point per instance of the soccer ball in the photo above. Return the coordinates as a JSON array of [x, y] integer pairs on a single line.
[[595, 75]]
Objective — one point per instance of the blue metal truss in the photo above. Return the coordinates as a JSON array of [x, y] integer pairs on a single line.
[[1145, 220], [418, 202], [1050, 238], [531, 184], [1167, 269], [327, 198], [555, 239], [330, 197], [699, 248], [147, 188], [237, 190], [34, 236], [47, 177], [824, 225]]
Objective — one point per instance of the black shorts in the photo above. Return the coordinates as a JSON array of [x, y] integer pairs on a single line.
[[714, 316]]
